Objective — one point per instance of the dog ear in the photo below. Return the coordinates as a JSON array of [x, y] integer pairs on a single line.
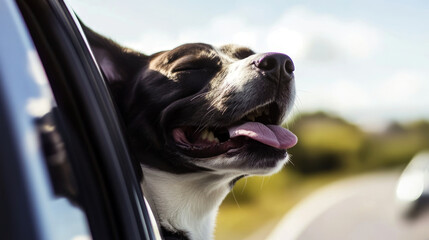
[[116, 62]]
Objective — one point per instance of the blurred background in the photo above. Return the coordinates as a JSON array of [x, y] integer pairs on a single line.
[[362, 82]]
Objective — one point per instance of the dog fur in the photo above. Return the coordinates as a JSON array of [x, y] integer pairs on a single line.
[[195, 88]]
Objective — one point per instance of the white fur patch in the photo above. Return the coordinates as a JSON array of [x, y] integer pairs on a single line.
[[236, 166], [189, 202], [186, 202]]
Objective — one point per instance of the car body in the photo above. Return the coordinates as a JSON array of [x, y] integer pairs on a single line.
[[412, 190], [65, 168]]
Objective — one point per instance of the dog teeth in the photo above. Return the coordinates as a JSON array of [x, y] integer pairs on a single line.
[[212, 138], [204, 134], [257, 113], [209, 136]]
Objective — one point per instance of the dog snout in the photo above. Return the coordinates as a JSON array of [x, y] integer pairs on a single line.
[[277, 65]]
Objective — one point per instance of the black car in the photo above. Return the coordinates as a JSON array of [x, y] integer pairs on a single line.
[[65, 169]]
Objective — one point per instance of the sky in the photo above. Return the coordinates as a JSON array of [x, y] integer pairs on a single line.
[[366, 61]]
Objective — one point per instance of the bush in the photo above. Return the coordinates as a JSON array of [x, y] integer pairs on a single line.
[[326, 143], [329, 143]]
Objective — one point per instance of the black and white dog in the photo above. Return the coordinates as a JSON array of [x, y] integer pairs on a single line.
[[199, 118]]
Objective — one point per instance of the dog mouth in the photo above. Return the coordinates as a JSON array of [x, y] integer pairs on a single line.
[[259, 125]]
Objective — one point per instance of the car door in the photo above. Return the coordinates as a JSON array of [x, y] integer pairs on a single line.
[[65, 169]]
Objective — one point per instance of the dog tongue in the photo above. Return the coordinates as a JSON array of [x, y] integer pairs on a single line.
[[272, 135]]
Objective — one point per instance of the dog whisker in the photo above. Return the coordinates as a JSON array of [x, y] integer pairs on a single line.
[[262, 183], [235, 199], [290, 160], [244, 186], [198, 96]]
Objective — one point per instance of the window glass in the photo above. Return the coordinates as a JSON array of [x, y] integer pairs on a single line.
[[64, 217]]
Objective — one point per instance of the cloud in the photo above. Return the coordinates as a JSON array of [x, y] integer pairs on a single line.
[[404, 88], [290, 41], [219, 31], [341, 95], [298, 32], [402, 95], [320, 37], [154, 41]]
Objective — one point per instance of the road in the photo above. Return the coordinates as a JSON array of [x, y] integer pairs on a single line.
[[361, 208]]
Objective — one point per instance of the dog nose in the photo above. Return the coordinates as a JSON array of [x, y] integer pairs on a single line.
[[277, 65]]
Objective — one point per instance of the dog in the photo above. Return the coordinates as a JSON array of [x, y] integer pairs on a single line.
[[198, 119]]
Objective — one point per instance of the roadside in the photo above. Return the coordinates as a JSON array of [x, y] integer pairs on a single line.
[[362, 207], [259, 203]]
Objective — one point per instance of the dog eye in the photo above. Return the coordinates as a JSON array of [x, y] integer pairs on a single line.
[[192, 65], [187, 68]]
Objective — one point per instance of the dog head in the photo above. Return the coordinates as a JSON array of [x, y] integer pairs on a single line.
[[201, 108]]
